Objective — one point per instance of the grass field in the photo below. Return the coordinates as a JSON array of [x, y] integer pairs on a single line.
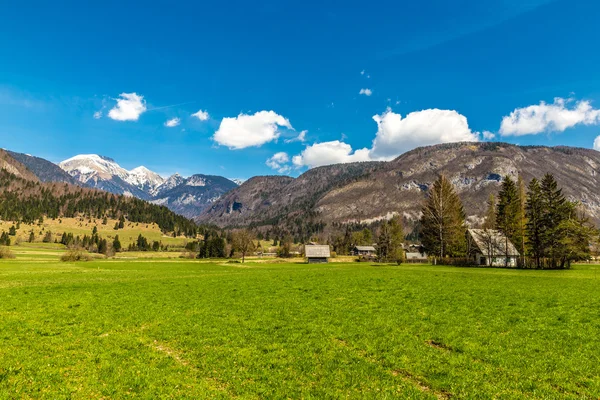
[[160, 328], [84, 226]]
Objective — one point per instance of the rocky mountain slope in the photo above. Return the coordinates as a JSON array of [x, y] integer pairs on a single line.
[[268, 199], [45, 170], [188, 197], [8, 163], [367, 192]]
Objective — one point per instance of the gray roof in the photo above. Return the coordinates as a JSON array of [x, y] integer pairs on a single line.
[[315, 250], [492, 243], [364, 248]]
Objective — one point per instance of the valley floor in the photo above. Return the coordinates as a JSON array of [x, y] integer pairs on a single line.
[[161, 328]]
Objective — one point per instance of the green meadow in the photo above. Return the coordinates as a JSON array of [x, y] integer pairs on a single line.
[[170, 328]]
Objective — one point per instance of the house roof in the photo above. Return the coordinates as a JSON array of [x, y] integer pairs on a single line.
[[315, 250], [492, 243], [365, 248]]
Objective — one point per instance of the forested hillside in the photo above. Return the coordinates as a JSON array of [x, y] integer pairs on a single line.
[[29, 200]]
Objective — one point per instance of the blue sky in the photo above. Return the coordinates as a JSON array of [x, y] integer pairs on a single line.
[[272, 73]]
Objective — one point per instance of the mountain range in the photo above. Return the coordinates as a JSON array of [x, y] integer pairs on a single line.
[[372, 191], [336, 194], [185, 196]]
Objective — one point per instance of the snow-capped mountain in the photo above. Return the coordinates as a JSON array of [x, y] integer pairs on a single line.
[[104, 173], [192, 195], [146, 180], [237, 181], [171, 182], [186, 196]]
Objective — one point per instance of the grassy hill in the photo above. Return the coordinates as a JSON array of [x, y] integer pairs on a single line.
[[84, 226]]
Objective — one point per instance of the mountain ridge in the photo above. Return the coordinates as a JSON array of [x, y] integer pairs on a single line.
[[398, 187]]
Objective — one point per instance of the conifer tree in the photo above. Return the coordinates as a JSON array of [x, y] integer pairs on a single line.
[[555, 210], [116, 244], [443, 220], [508, 219]]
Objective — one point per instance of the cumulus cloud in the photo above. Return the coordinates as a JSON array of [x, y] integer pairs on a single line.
[[173, 122], [396, 135], [98, 115], [597, 143], [326, 153], [300, 138], [250, 130], [545, 117], [129, 107], [279, 162], [366, 92], [201, 115], [487, 135]]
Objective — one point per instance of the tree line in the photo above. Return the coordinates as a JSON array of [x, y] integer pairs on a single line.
[[548, 230]]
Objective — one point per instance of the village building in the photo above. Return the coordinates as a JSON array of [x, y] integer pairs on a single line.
[[492, 248], [416, 257], [316, 254], [368, 251]]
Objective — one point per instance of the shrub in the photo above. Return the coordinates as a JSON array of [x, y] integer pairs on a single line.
[[188, 254], [5, 253], [75, 255]]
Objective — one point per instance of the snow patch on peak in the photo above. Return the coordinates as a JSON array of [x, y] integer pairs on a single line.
[[196, 180]]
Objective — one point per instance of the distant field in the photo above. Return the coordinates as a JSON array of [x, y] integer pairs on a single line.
[[160, 328], [84, 226]]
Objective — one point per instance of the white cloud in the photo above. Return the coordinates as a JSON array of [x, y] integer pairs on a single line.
[[300, 138], [173, 122], [279, 162], [201, 115], [548, 117], [362, 72], [98, 115], [129, 107], [366, 92], [487, 135], [250, 130], [597, 143], [396, 135], [326, 153]]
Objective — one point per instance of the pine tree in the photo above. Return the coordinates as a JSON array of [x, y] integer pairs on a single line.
[[443, 220], [522, 192], [116, 244], [508, 220], [12, 231], [556, 210], [102, 246], [31, 237]]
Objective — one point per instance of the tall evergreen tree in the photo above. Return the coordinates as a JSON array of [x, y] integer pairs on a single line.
[[443, 220], [556, 210], [534, 210], [508, 219], [522, 193], [116, 244]]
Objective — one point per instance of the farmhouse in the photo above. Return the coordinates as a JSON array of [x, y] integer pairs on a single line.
[[416, 257], [364, 251], [317, 253], [490, 247]]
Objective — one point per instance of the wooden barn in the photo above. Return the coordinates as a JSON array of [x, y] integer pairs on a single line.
[[316, 254], [368, 251]]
